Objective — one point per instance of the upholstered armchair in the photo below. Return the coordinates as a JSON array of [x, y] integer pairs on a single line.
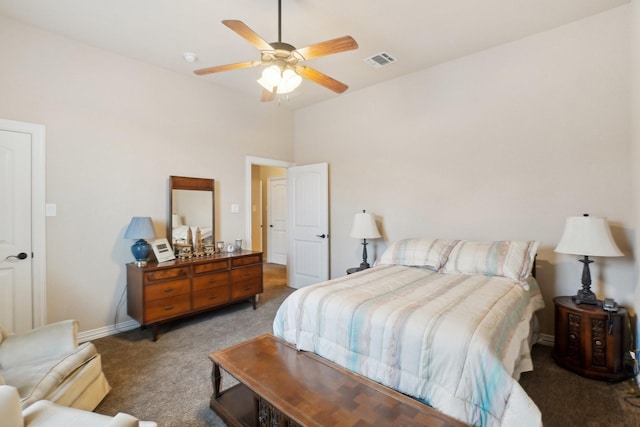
[[46, 414], [47, 363]]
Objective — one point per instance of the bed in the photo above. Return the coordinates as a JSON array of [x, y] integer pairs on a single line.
[[447, 322]]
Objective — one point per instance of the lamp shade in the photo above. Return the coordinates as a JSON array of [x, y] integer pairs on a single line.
[[364, 226], [589, 236], [140, 227]]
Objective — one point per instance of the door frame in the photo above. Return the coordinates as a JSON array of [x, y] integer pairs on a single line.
[[258, 161], [38, 219]]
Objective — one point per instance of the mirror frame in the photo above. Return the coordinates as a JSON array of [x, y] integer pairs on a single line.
[[187, 183]]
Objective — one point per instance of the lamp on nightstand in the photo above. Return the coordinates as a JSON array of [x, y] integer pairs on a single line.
[[587, 236], [140, 228], [364, 227]]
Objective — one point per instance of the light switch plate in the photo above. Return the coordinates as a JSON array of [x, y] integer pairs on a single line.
[[235, 208]]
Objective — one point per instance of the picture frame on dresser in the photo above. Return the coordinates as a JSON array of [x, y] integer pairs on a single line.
[[162, 250]]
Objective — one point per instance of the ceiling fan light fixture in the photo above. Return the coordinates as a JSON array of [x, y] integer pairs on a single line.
[[283, 74], [290, 81], [271, 77], [283, 81]]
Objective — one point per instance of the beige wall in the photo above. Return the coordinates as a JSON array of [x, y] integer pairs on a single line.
[[260, 185], [635, 144], [267, 172], [256, 208], [503, 144], [116, 129]]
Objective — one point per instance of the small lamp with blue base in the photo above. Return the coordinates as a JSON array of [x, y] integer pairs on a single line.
[[140, 228]]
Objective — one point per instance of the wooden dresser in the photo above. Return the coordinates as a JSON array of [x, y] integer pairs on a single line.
[[159, 293]]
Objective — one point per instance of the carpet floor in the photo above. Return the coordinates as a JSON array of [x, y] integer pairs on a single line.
[[169, 381]]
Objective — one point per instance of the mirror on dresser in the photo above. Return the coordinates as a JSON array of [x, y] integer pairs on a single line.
[[191, 211]]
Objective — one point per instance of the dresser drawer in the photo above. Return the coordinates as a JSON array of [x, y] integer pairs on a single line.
[[208, 267], [167, 308], [166, 274], [246, 288], [246, 260], [166, 289], [246, 273], [210, 297], [208, 281]]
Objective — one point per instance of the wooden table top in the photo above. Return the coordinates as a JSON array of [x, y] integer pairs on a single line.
[[315, 392]]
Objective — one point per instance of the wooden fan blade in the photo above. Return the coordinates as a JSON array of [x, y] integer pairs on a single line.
[[219, 68], [321, 78], [341, 44], [248, 34], [268, 96]]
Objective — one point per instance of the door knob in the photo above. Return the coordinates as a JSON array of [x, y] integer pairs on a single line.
[[322, 236], [21, 255]]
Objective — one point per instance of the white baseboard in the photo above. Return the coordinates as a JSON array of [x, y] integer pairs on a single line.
[[545, 339], [107, 330]]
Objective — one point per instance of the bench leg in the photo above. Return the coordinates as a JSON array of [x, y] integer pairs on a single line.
[[216, 379]]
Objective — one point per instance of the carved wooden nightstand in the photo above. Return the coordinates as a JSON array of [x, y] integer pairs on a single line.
[[589, 340]]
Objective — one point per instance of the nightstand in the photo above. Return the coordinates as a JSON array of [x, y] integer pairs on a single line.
[[589, 340]]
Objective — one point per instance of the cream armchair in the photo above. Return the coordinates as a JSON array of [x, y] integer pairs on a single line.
[[47, 363], [46, 414]]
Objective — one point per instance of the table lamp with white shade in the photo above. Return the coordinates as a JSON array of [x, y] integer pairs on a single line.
[[364, 227], [587, 236]]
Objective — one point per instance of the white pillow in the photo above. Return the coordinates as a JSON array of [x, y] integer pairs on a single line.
[[424, 252], [511, 259]]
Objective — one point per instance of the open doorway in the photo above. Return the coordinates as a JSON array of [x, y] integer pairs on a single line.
[[266, 202]]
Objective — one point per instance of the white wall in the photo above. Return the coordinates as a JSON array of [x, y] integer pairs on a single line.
[[116, 130], [503, 144]]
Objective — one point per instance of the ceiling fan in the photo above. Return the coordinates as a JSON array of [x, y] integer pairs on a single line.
[[283, 72]]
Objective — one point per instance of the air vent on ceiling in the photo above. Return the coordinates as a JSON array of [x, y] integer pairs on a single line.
[[380, 60]]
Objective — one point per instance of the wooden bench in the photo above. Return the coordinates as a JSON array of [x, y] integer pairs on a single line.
[[280, 386]]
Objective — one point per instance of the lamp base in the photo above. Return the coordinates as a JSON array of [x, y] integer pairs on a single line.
[[585, 296], [141, 251], [364, 264]]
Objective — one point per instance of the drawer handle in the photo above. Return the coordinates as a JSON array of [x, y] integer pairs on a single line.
[[168, 290], [246, 288], [212, 281], [169, 307], [213, 297]]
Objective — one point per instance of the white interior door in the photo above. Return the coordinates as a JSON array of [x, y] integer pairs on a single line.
[[16, 308], [308, 223], [277, 220]]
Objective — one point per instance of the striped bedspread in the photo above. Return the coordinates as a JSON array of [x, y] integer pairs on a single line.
[[457, 342]]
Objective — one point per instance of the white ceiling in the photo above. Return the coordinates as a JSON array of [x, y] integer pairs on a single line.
[[419, 33]]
